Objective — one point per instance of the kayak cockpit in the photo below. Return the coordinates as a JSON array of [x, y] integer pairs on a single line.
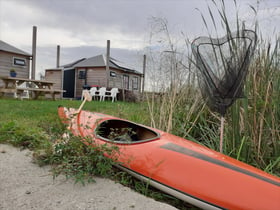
[[121, 131]]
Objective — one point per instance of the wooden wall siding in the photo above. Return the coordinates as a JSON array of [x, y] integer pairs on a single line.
[[96, 76], [54, 76], [6, 64], [79, 85], [115, 82], [118, 80]]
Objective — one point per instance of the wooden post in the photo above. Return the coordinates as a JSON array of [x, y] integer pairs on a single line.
[[107, 63], [86, 74], [222, 134], [34, 41], [123, 92], [57, 56], [62, 81], [144, 70]]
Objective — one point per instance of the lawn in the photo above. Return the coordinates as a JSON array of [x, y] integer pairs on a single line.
[[31, 112]]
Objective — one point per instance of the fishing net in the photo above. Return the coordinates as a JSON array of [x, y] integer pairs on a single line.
[[223, 65]]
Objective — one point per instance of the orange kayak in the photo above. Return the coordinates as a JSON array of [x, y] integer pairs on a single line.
[[182, 168]]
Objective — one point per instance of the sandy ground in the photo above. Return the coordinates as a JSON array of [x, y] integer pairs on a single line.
[[24, 186]]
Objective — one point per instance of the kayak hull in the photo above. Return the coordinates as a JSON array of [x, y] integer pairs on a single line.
[[184, 169]]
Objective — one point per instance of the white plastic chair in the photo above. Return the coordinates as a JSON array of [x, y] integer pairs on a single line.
[[25, 93], [93, 92], [102, 93], [113, 94], [83, 93]]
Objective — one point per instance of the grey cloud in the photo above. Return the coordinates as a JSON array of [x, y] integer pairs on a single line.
[[85, 19], [128, 15]]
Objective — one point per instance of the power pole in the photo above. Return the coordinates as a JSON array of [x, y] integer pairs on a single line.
[[144, 71], [107, 63], [34, 43]]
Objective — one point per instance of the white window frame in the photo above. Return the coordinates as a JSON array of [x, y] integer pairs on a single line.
[[113, 74], [126, 81], [84, 74], [23, 60], [135, 83]]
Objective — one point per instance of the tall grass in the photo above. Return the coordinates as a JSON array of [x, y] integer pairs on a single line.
[[252, 127], [256, 118]]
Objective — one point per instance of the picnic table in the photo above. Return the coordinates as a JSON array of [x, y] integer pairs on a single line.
[[37, 87]]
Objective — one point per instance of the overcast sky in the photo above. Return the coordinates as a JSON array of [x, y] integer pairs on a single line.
[[82, 27]]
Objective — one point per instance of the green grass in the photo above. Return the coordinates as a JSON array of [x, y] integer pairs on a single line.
[[30, 111]]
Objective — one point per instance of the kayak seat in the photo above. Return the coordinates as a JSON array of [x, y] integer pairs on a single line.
[[123, 131]]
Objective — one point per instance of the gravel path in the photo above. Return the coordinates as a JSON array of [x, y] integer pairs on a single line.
[[24, 185]]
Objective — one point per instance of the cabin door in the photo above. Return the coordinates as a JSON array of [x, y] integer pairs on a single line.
[[69, 83]]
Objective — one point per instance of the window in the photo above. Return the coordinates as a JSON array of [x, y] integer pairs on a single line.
[[126, 82], [135, 83], [82, 74], [19, 62], [113, 74]]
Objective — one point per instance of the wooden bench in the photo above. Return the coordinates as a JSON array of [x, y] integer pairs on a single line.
[[37, 91], [7, 90]]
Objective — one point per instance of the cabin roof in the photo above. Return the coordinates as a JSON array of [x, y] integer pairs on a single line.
[[71, 65], [99, 61], [95, 61], [9, 48]]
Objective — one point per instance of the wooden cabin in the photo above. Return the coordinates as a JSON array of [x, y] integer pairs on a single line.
[[90, 72], [14, 58]]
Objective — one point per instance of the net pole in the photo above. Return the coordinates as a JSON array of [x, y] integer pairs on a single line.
[[222, 133]]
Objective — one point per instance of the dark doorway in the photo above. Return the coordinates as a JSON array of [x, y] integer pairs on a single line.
[[69, 83]]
